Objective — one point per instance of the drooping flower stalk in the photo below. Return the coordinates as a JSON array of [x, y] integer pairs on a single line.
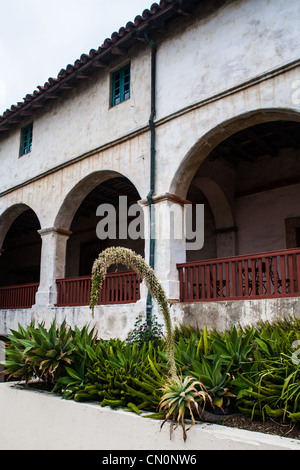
[[120, 255]]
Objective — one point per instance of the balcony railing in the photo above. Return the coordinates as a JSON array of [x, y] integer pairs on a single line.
[[118, 288], [20, 296], [256, 276]]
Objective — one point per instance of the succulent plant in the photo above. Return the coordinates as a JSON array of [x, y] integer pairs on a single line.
[[182, 395]]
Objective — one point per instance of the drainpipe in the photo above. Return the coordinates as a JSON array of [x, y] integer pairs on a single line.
[[152, 167]]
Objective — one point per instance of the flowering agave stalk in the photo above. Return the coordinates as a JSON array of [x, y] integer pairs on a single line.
[[182, 395], [120, 255]]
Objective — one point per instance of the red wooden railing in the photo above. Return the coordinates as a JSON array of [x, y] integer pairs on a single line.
[[118, 288], [20, 296], [255, 276]]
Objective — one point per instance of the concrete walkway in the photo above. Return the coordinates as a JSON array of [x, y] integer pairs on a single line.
[[42, 421]]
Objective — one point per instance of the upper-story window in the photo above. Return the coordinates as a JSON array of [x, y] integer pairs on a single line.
[[26, 139], [121, 85]]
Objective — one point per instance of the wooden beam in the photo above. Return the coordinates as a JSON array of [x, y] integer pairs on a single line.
[[267, 148], [290, 141], [117, 51], [237, 148], [14, 120], [183, 12], [80, 76], [25, 112], [65, 86], [99, 64], [36, 104], [51, 96]]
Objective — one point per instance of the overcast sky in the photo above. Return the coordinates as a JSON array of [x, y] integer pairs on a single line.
[[40, 37]]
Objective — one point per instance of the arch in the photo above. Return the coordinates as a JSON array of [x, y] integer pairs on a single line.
[[202, 148], [218, 201], [76, 196], [78, 215], [8, 217], [20, 246]]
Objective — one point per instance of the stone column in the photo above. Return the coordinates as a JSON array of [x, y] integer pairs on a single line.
[[170, 243], [53, 259], [2, 358]]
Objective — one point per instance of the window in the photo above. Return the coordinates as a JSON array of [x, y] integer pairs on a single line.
[[121, 85], [26, 139]]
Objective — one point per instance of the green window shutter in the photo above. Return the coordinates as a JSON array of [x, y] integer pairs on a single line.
[[26, 142], [121, 85]]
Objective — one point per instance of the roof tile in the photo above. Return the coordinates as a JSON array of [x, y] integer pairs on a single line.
[[85, 58]]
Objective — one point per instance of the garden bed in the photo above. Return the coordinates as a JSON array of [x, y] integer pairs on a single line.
[[269, 426], [252, 371]]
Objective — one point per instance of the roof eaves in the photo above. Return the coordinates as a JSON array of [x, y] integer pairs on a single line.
[[81, 69]]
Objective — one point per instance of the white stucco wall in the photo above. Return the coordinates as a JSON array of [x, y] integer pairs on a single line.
[[81, 121], [215, 49], [50, 423], [203, 62], [110, 321], [196, 132], [261, 216], [222, 46]]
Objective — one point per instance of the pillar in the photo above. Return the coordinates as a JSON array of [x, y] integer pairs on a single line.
[[2, 358], [53, 260], [170, 243]]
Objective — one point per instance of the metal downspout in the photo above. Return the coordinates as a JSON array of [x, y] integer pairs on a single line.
[[152, 167]]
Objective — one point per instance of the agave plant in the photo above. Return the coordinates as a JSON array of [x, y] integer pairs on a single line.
[[273, 391], [16, 365], [182, 395], [71, 383], [74, 378], [36, 352], [234, 347], [217, 380], [52, 350], [123, 375]]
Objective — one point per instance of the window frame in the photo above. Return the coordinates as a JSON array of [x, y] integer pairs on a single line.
[[123, 76], [26, 139]]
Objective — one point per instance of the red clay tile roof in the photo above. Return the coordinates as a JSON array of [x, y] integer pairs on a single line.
[[118, 43]]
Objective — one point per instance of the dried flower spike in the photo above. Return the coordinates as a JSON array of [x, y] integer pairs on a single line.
[[120, 255]]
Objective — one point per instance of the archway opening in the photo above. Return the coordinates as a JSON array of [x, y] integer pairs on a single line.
[[250, 185], [21, 256], [257, 172], [115, 196], [84, 245]]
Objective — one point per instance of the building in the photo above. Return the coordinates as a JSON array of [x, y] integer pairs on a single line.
[[195, 102]]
